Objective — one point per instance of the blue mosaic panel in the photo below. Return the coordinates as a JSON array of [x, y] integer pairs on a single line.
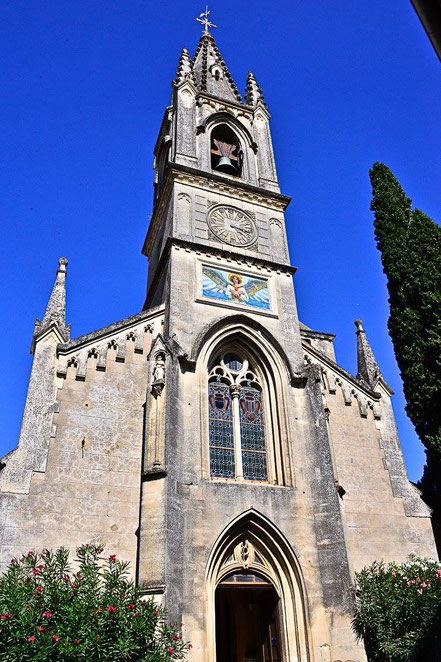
[[252, 434], [235, 288], [221, 431]]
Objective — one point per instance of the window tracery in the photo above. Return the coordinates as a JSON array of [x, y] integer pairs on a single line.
[[236, 421]]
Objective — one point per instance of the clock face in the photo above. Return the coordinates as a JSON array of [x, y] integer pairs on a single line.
[[232, 226]]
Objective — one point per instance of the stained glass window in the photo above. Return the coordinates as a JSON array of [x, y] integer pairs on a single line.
[[233, 362], [248, 438], [252, 434], [221, 430]]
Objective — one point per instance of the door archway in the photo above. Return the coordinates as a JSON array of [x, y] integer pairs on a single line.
[[255, 595], [247, 619]]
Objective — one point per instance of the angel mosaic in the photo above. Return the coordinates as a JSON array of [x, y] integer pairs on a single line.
[[235, 288]]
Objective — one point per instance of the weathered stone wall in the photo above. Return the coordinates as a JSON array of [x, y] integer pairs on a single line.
[[383, 514], [87, 488]]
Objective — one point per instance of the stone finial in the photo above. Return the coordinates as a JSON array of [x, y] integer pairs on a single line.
[[253, 91], [55, 313], [185, 69], [367, 366]]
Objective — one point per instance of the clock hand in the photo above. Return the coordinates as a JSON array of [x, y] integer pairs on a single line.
[[239, 228]]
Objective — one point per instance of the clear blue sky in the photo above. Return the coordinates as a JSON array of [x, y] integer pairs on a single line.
[[84, 85]]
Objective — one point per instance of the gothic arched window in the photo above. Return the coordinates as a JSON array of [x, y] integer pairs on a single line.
[[236, 420], [226, 153]]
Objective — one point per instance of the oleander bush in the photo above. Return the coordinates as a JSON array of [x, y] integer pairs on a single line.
[[398, 611], [48, 612]]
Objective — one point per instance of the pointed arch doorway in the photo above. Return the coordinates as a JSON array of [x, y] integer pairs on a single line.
[[247, 619], [256, 605]]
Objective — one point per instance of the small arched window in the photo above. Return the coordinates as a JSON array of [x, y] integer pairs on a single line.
[[236, 420], [226, 152]]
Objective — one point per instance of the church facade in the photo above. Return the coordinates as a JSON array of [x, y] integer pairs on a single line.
[[212, 439]]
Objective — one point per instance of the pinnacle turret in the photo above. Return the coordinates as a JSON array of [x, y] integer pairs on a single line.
[[184, 70], [55, 314], [253, 91], [367, 366]]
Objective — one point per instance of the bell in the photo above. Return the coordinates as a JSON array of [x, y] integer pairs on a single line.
[[225, 165]]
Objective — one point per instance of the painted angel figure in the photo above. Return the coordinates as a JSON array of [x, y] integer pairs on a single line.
[[235, 287]]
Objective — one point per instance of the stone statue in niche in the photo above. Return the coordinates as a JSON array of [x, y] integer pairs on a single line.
[[158, 381]]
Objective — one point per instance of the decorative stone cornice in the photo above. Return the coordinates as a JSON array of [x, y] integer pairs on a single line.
[[316, 335], [213, 182], [210, 251], [107, 331], [204, 98]]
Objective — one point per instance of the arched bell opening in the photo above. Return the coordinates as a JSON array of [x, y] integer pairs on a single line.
[[225, 149]]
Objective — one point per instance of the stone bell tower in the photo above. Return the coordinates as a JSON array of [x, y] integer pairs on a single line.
[[212, 439], [242, 519]]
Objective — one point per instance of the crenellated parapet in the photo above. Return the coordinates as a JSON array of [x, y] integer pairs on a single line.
[[335, 378], [114, 343]]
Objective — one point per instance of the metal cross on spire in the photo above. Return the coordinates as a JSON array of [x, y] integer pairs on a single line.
[[203, 18]]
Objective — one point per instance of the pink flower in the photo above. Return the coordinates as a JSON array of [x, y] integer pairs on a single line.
[[189, 646], [155, 613], [31, 638], [393, 573], [40, 567], [47, 613], [39, 588], [170, 651], [3, 616], [73, 585], [175, 636], [112, 557], [41, 628], [438, 572], [31, 553], [27, 607], [130, 606], [54, 636], [135, 614], [420, 591], [111, 608]]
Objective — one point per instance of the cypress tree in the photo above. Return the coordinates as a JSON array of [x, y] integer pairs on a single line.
[[410, 246]]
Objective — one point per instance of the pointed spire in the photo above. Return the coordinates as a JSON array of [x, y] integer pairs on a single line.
[[55, 313], [367, 365], [253, 91], [185, 69], [211, 73]]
